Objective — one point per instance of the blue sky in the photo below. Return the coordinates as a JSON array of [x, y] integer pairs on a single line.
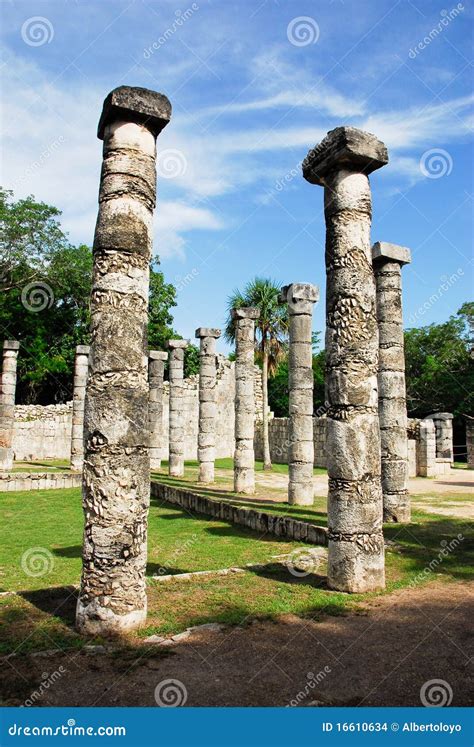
[[253, 86]]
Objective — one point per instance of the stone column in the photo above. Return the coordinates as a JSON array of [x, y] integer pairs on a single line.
[[116, 474], [469, 441], [443, 422], [156, 369], [7, 402], [300, 298], [207, 402], [177, 407], [244, 457], [341, 163], [388, 260], [426, 449], [81, 364]]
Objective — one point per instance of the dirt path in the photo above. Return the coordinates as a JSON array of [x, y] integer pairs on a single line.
[[381, 656]]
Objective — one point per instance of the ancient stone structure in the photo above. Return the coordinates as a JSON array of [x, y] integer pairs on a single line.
[[426, 453], [156, 369], [341, 163], [207, 402], [443, 422], [388, 260], [470, 441], [7, 402], [81, 364], [116, 474], [300, 298], [177, 407], [244, 457]]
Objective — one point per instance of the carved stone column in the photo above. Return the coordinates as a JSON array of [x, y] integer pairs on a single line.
[[177, 407], [301, 298], [116, 474], [388, 260], [207, 402], [444, 435], [81, 364], [244, 457], [7, 402], [341, 163], [156, 369]]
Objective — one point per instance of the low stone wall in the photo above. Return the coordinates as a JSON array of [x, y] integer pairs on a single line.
[[259, 521], [10, 481], [42, 432], [278, 430]]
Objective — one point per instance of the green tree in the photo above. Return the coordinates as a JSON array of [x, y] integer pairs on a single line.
[[46, 284], [439, 369], [271, 329], [278, 385]]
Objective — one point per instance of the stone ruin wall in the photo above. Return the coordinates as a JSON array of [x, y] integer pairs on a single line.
[[44, 432]]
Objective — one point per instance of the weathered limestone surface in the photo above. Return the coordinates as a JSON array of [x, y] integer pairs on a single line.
[[341, 162], [7, 402], [244, 457], [388, 260], [426, 453], [300, 298], [443, 422], [116, 475], [156, 369], [177, 407], [81, 364], [207, 402]]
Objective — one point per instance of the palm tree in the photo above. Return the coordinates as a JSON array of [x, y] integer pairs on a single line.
[[271, 329]]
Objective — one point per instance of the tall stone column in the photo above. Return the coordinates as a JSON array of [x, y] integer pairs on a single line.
[[426, 449], [341, 163], [207, 402], [81, 364], [300, 298], [116, 474], [156, 370], [388, 260], [177, 407], [7, 402], [244, 456]]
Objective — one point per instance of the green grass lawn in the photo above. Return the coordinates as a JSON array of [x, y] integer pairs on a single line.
[[46, 465], [42, 616]]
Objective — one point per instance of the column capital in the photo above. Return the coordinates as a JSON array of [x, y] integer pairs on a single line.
[[158, 355], [83, 349], [207, 332], [441, 416], [178, 344], [383, 252], [299, 292], [11, 345], [134, 104], [245, 312], [344, 148]]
